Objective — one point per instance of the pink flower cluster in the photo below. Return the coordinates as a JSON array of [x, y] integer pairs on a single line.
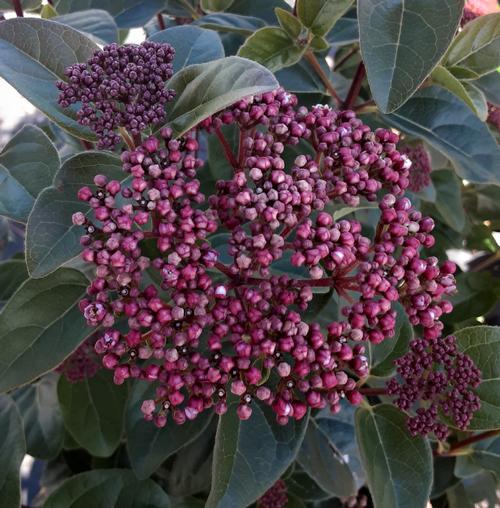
[[82, 364], [275, 497], [420, 172], [202, 330]]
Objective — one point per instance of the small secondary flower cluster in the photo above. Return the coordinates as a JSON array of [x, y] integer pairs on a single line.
[[210, 329], [275, 497], [82, 363], [420, 172]]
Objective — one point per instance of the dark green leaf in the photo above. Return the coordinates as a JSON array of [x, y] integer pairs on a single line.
[[40, 326], [273, 48], [444, 477], [321, 15], [263, 9], [179, 8], [51, 237], [482, 344], [448, 125], [486, 455], [12, 450], [223, 82], [35, 53], [477, 47], [127, 14], [96, 23], [148, 446], [289, 22], [303, 486], [398, 466], [93, 411], [108, 488], [28, 163], [193, 45], [401, 42], [490, 85], [13, 273], [324, 463], [251, 455], [449, 198], [215, 5], [383, 355], [345, 31], [43, 425], [231, 23]]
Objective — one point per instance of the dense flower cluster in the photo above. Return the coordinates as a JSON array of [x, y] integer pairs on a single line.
[[211, 329], [275, 497], [82, 363], [421, 166], [437, 374], [120, 86]]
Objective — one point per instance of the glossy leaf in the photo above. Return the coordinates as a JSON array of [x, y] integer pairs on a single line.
[[231, 23], [223, 82], [398, 466], [324, 463], [34, 54], [28, 163], [43, 425], [476, 49], [127, 14], [12, 450], [321, 15], [193, 45], [13, 273], [449, 198], [401, 42], [289, 22], [93, 411], [51, 237], [148, 446], [95, 23], [449, 126], [482, 344], [273, 48], [50, 329], [215, 5], [251, 455], [103, 488]]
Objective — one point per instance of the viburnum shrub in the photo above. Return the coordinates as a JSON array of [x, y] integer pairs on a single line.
[[250, 274]]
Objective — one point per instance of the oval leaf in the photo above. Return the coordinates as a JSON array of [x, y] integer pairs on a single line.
[[449, 126], [215, 5], [95, 23], [223, 82], [93, 411], [250, 456], [147, 445], [401, 42], [449, 198], [51, 237], [398, 467], [193, 45], [230, 23], [320, 15], [40, 326], [482, 344], [12, 450], [35, 53]]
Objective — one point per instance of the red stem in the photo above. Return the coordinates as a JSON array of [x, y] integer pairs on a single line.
[[161, 22], [466, 442], [228, 152], [87, 144], [18, 8], [311, 58], [355, 86], [373, 391], [345, 58]]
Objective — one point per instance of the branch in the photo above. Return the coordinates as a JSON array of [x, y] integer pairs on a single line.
[[161, 22], [454, 447], [18, 8], [346, 57], [228, 152], [355, 86], [373, 391], [311, 58]]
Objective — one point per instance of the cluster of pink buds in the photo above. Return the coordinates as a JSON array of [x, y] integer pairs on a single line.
[[420, 171], [82, 364], [494, 116], [206, 332], [275, 497]]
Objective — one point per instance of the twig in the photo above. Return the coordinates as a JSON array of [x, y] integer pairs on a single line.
[[87, 144], [18, 8], [452, 451], [228, 152], [161, 22], [373, 391], [346, 57], [311, 58], [355, 86]]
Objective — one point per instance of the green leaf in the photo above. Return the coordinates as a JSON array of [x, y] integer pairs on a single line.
[[486, 455], [28, 163], [263, 9], [147, 445], [446, 79], [12, 450], [303, 486], [251, 455], [345, 31], [93, 411], [482, 344], [43, 425], [40, 326], [193, 45], [35, 53], [324, 463], [273, 48], [96, 23], [449, 126], [401, 42], [449, 198], [289, 22], [319, 43], [383, 355], [398, 466], [321, 15], [51, 237], [127, 14], [479, 100], [490, 86], [230, 23], [13, 273], [107, 488], [48, 12], [477, 47], [215, 5], [223, 82]]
